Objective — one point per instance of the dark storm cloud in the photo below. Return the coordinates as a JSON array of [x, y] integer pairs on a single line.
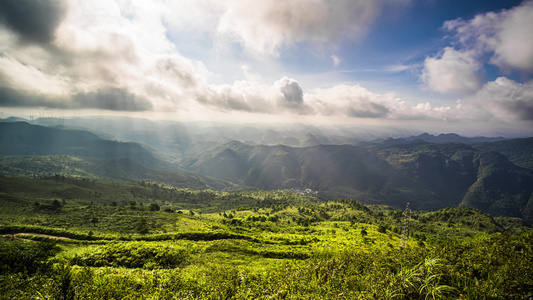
[[106, 99], [369, 110], [33, 20], [112, 99], [522, 109], [293, 96], [12, 98], [292, 92]]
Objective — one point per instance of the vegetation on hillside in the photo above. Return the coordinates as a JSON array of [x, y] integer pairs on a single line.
[[430, 176], [67, 238], [113, 223]]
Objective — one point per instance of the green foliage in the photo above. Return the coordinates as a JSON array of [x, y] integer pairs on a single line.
[[363, 232], [251, 244], [132, 255], [429, 176], [154, 207], [382, 229], [142, 226], [18, 256]]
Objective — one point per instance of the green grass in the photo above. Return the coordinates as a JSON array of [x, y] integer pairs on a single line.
[[247, 245]]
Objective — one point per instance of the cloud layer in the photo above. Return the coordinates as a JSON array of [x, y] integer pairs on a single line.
[[119, 56]]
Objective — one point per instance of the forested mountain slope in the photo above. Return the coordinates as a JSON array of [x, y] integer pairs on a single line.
[[430, 176]]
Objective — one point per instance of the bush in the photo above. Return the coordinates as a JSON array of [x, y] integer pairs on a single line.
[[133, 255], [18, 256]]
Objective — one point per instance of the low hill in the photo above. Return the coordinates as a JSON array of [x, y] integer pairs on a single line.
[[111, 170], [33, 150], [21, 138]]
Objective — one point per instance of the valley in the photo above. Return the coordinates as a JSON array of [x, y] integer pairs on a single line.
[[88, 215]]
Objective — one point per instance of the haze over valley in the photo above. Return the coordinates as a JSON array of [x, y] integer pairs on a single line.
[[431, 172]]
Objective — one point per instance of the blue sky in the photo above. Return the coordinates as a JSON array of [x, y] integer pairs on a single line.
[[443, 66]]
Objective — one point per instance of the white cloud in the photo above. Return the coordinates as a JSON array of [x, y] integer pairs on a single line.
[[348, 100], [506, 99], [515, 46], [452, 71], [29, 78], [265, 26], [505, 35], [336, 60]]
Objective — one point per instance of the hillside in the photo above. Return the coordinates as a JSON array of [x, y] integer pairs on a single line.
[[20, 138], [430, 176], [73, 238], [33, 150], [394, 171], [519, 151]]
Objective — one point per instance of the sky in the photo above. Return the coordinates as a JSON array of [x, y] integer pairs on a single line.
[[431, 65]]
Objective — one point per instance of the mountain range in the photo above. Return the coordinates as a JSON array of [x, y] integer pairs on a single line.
[[494, 175]]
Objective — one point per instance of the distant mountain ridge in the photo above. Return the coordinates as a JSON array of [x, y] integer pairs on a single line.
[[436, 139], [21, 138]]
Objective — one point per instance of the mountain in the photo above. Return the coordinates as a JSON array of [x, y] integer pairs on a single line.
[[429, 138], [518, 151], [21, 138], [501, 188], [28, 150], [430, 176], [13, 119], [452, 138], [495, 176]]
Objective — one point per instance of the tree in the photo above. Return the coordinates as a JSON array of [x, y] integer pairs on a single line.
[[142, 226], [154, 207], [56, 204], [94, 221], [363, 232]]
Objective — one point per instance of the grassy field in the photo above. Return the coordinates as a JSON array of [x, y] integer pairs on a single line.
[[67, 238]]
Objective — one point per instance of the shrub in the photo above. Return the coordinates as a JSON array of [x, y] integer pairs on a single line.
[[26, 257], [133, 255]]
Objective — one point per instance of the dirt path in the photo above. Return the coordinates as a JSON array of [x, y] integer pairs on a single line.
[[16, 235]]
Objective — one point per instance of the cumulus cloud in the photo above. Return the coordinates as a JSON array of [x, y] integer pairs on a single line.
[[293, 95], [117, 55], [350, 101], [506, 99], [265, 26], [515, 46], [107, 56], [33, 21], [505, 35], [452, 71], [285, 96]]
